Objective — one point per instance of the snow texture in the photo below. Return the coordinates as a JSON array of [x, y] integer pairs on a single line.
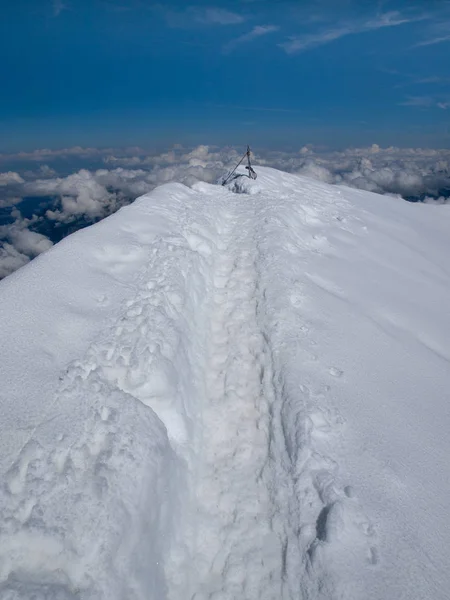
[[220, 394]]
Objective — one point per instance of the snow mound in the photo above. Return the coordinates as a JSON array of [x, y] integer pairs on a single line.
[[230, 395]]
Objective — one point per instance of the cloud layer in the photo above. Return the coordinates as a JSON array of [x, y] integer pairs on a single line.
[[61, 204]]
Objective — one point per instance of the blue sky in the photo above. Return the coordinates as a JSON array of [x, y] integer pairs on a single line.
[[277, 74]]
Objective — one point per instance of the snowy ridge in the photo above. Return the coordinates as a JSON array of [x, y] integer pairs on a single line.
[[224, 417]]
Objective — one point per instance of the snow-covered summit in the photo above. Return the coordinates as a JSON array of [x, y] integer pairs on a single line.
[[233, 396]]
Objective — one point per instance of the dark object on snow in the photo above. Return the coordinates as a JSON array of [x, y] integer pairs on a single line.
[[251, 172], [233, 175]]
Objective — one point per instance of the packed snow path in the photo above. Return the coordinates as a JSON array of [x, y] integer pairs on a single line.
[[216, 408]]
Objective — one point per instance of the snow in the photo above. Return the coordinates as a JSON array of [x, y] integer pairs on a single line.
[[230, 393]]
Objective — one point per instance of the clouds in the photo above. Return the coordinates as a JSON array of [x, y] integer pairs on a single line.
[[19, 245], [10, 260], [257, 32], [383, 180], [10, 178], [28, 242], [219, 16], [426, 102], [10, 186], [326, 36], [65, 203], [213, 16], [195, 15], [80, 193], [438, 31], [86, 196], [411, 173], [93, 194], [433, 41], [180, 47]]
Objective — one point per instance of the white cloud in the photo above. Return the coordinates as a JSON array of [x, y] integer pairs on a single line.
[[81, 194], [42, 171], [435, 40], [11, 260], [193, 15], [219, 16], [313, 40], [10, 185], [406, 172], [96, 194], [10, 178], [384, 170], [257, 32], [29, 242], [426, 102], [421, 101], [316, 171], [389, 19], [18, 245], [9, 201]]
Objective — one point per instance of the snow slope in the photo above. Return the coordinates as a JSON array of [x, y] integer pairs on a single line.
[[220, 395]]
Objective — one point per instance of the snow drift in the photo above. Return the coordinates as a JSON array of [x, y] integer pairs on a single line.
[[220, 395]]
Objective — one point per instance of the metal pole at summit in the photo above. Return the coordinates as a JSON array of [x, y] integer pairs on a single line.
[[251, 172]]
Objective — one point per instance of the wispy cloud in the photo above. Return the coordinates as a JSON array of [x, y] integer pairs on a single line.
[[426, 102], [58, 7], [257, 32], [195, 15], [308, 41], [412, 80], [432, 79], [438, 31], [219, 16], [433, 41], [419, 101]]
